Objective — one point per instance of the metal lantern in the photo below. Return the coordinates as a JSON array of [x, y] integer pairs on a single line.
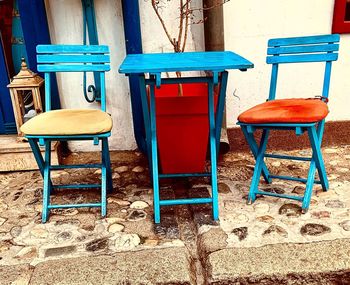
[[25, 95]]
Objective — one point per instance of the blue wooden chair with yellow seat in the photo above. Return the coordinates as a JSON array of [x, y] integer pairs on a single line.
[[71, 124], [298, 115]]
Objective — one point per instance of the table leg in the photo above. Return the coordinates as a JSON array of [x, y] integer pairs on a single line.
[[213, 152], [154, 152], [220, 109], [146, 119]]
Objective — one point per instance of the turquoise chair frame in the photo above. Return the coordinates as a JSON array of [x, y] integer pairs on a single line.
[[72, 58], [282, 51]]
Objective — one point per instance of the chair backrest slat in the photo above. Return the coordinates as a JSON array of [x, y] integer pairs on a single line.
[[72, 67], [87, 58], [302, 58], [72, 49], [301, 50], [73, 58], [304, 40]]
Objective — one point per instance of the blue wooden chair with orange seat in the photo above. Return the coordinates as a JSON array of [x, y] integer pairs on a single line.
[[71, 124], [299, 115]]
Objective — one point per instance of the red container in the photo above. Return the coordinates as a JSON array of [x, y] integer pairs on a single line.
[[182, 127]]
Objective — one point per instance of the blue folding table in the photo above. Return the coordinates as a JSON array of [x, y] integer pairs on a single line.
[[214, 63]]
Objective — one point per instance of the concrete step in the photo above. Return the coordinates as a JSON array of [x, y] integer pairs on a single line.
[[16, 154]]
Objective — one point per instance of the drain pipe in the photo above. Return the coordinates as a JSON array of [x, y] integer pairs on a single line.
[[133, 44], [215, 41]]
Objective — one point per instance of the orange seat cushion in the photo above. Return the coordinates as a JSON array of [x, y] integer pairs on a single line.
[[286, 111]]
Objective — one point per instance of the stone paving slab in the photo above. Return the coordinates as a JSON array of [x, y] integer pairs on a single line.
[[164, 266], [15, 274], [270, 224], [288, 263]]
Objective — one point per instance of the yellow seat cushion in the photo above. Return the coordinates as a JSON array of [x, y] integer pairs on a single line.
[[68, 122]]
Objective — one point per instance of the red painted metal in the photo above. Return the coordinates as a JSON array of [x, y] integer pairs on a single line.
[[6, 10], [182, 127], [340, 25]]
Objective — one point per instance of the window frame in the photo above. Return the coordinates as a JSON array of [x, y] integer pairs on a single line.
[[340, 25]]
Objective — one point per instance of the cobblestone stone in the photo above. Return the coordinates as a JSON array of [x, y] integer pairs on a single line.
[[129, 226]]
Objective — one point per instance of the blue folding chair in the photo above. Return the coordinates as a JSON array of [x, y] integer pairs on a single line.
[[71, 124], [300, 115]]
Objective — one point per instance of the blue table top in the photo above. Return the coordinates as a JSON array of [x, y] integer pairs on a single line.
[[186, 61]]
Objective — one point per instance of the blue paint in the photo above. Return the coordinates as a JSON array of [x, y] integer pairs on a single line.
[[154, 65], [291, 178], [293, 197], [18, 44], [87, 205], [186, 201], [107, 161], [53, 58], [214, 61], [177, 175], [221, 106], [294, 50], [302, 49], [254, 148], [6, 112], [306, 40], [133, 44], [78, 137], [75, 186], [47, 186], [57, 167], [258, 166], [154, 153], [288, 157], [36, 31], [89, 23], [69, 49], [213, 152]]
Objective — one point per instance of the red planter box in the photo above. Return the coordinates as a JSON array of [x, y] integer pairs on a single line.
[[182, 127]]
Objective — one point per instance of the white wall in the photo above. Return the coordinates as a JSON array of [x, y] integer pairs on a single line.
[[65, 23], [248, 26]]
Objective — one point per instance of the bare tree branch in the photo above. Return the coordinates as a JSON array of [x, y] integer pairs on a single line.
[[179, 38], [155, 8], [188, 13]]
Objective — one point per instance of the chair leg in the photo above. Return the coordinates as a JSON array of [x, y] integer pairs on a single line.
[[315, 141], [107, 160], [154, 159], [106, 178], [213, 154], [47, 184], [254, 149], [38, 157], [316, 162], [258, 166]]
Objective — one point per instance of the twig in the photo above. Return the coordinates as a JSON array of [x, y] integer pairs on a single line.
[[155, 8], [186, 25], [179, 38]]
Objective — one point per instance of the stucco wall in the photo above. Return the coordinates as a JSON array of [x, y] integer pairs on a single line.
[[65, 23], [248, 26]]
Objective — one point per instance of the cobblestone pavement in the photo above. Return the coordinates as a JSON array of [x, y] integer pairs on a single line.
[[195, 249]]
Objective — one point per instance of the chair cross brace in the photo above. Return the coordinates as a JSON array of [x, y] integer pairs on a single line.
[[45, 168], [315, 132]]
